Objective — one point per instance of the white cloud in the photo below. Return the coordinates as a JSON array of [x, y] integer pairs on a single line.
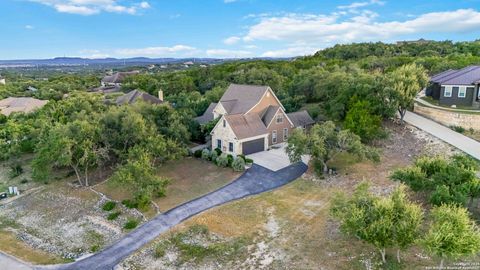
[[29, 27], [174, 51], [222, 53], [321, 29], [90, 7], [231, 40], [293, 51], [356, 5]]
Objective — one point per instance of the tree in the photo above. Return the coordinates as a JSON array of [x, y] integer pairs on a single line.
[[381, 221], [405, 83], [361, 121], [452, 233], [324, 142]]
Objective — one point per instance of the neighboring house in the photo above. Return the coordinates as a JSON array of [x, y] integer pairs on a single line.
[[136, 95], [251, 120], [107, 89], [20, 104], [2, 80], [455, 87], [117, 78], [207, 115]]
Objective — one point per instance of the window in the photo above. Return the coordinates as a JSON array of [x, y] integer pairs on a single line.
[[462, 92], [224, 123], [279, 118], [219, 144], [447, 92], [285, 134], [230, 146], [274, 136]]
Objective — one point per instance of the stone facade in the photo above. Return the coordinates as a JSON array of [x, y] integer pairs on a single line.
[[226, 135], [450, 118]]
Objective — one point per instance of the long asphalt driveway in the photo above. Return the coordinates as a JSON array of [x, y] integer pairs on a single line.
[[445, 134], [254, 181]]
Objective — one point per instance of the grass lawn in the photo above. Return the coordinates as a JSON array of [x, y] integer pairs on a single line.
[[190, 178]]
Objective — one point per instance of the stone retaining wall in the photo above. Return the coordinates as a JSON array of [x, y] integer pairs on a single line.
[[450, 118]]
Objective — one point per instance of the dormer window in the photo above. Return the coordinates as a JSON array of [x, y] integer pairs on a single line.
[[279, 119]]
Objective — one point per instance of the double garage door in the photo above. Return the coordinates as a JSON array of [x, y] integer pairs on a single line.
[[253, 146]]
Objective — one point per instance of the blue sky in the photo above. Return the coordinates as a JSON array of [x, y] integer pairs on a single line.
[[221, 28]]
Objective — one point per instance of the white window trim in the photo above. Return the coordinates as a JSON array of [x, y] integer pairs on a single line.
[[221, 144], [462, 89], [279, 117], [233, 147], [449, 90], [285, 134], [274, 138]]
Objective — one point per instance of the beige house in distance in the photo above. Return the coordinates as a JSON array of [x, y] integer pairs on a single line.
[[251, 120]]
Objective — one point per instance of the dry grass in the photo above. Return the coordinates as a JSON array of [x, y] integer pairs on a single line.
[[12, 246]]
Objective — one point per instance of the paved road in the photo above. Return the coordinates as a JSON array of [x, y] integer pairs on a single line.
[[10, 263], [255, 180], [456, 139]]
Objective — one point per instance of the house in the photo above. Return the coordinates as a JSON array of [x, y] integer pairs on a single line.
[[455, 87], [20, 104], [251, 119], [137, 95], [207, 115], [117, 78], [301, 119], [2, 80], [107, 89]]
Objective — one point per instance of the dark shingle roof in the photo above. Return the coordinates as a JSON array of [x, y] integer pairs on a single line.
[[301, 118], [245, 126], [135, 95], [239, 99], [268, 114], [118, 77], [465, 76], [207, 115]]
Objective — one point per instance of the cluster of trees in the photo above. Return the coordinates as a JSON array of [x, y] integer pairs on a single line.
[[451, 181], [82, 133], [395, 222]]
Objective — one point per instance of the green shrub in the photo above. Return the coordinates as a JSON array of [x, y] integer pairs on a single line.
[[445, 195], [241, 156], [214, 156], [465, 162], [130, 224], [130, 204], [108, 206], [222, 160], [219, 151], [412, 176], [230, 160], [114, 215], [143, 200], [248, 161], [15, 170], [205, 154], [160, 250], [458, 129], [238, 164], [197, 154], [430, 166], [361, 121]]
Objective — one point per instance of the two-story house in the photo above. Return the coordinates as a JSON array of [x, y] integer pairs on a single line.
[[252, 119], [456, 87]]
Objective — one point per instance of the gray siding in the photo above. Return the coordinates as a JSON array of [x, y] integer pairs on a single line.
[[455, 100]]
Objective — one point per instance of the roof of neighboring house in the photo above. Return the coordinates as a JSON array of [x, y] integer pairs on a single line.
[[207, 115], [268, 114], [301, 118], [239, 99], [465, 76], [107, 89], [135, 95], [20, 104], [118, 77], [245, 126]]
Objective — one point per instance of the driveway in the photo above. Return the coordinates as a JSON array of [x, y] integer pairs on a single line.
[[445, 134], [274, 159], [255, 180], [8, 262]]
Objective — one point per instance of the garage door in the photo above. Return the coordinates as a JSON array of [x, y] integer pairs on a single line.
[[253, 146]]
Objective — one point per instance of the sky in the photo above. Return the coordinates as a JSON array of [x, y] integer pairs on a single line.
[[36, 29]]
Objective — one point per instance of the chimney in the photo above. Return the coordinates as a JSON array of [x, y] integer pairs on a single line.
[[160, 95]]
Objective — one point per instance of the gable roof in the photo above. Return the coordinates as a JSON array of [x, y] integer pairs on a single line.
[[301, 118], [135, 95], [239, 98], [269, 113], [207, 115], [245, 126], [20, 104], [465, 76], [118, 77]]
